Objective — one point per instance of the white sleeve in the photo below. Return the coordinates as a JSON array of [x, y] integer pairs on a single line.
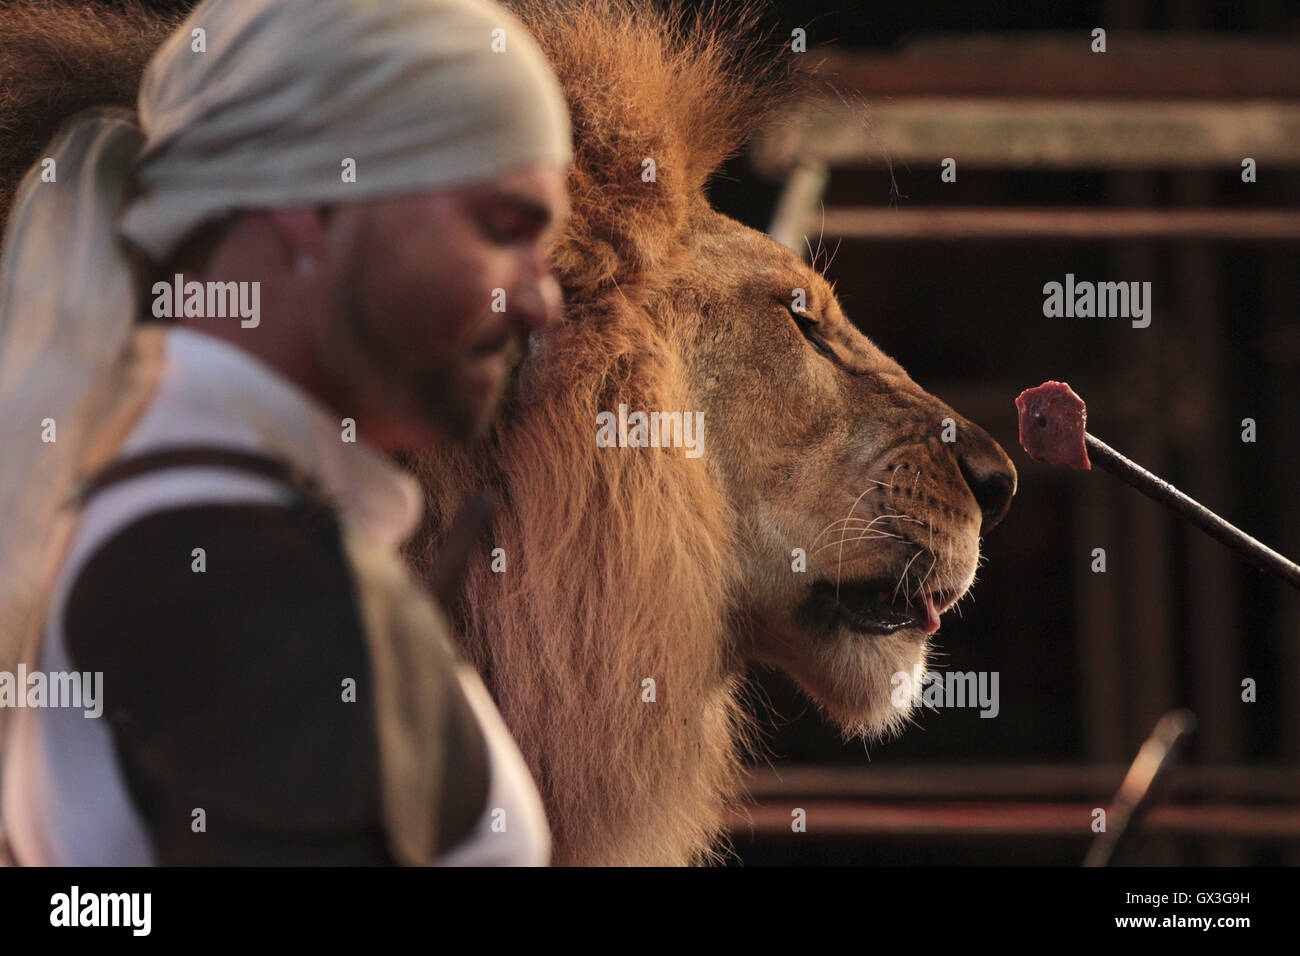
[[512, 830]]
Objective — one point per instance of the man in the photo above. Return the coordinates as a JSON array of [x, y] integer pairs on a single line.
[[342, 206]]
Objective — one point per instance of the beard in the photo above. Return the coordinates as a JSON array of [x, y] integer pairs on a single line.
[[446, 398], [453, 401], [454, 397]]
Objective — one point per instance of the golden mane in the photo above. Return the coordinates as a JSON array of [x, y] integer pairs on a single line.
[[617, 564], [685, 89]]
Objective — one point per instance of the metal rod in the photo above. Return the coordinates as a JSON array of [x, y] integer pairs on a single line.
[[1134, 794], [1067, 223], [1162, 491]]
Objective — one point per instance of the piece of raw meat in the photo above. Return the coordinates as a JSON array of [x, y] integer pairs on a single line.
[[1052, 422]]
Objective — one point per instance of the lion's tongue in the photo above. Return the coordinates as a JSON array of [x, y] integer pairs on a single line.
[[931, 615]]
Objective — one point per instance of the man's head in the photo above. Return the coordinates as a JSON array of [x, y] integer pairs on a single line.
[[446, 287], [388, 172], [405, 313]]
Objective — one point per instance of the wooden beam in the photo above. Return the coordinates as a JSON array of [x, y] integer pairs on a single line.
[[1033, 134], [842, 818], [1083, 224], [1014, 781], [1060, 64]]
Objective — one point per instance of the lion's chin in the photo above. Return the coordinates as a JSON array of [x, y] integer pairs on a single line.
[[863, 683]]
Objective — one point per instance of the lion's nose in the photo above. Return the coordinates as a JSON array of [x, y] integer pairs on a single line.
[[988, 471]]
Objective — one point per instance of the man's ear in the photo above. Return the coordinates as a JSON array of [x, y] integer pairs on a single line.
[[302, 230]]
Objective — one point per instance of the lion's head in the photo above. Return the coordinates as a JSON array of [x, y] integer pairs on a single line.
[[822, 443], [634, 585]]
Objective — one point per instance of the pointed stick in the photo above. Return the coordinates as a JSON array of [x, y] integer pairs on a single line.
[[1052, 420]]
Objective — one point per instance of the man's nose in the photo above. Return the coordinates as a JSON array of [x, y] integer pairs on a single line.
[[539, 304], [988, 472], [552, 302]]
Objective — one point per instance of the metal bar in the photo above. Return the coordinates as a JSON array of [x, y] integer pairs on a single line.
[[1257, 553], [1136, 793], [1135, 65], [1033, 134], [1101, 645], [800, 201], [1067, 224], [841, 818], [1015, 781]]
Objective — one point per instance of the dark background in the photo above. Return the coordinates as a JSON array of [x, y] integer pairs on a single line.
[[1087, 662]]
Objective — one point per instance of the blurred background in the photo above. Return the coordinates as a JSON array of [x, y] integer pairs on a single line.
[[1122, 166]]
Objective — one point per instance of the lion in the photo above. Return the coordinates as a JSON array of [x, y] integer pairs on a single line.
[[835, 512]]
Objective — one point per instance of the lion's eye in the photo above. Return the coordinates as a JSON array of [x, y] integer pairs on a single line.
[[809, 329]]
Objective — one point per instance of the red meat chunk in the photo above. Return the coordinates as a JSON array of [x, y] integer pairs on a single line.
[[1052, 422]]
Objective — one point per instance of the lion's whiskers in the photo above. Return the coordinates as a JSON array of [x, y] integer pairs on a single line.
[[867, 534], [851, 530], [840, 564], [903, 576], [856, 502], [841, 521]]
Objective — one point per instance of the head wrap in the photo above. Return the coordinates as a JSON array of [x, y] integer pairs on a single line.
[[419, 93], [250, 103]]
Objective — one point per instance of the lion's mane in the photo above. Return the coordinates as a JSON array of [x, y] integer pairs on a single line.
[[618, 567]]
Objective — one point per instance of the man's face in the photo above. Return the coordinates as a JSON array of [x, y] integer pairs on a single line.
[[444, 288]]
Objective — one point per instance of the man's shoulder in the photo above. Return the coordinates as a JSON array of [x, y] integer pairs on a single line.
[[233, 652], [226, 636], [207, 581], [192, 551]]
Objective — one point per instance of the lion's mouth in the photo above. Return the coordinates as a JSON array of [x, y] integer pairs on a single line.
[[876, 606]]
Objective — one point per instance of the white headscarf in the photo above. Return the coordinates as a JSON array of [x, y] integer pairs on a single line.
[[263, 108]]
